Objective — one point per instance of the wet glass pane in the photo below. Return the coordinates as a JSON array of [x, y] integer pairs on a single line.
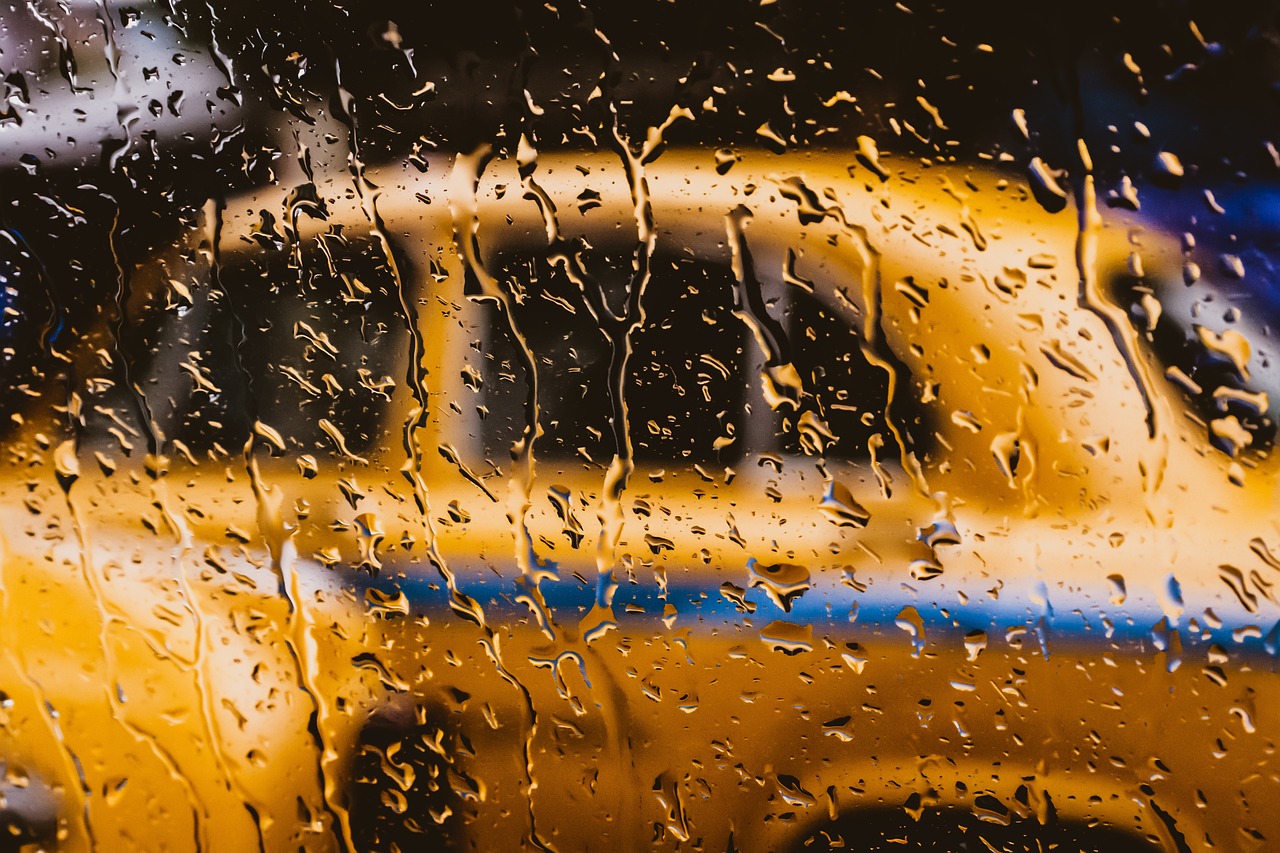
[[778, 425]]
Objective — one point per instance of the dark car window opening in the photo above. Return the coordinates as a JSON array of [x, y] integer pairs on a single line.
[[688, 370], [281, 340]]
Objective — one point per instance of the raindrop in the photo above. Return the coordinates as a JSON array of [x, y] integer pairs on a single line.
[[784, 582]]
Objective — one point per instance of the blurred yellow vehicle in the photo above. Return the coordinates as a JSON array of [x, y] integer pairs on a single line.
[[960, 558]]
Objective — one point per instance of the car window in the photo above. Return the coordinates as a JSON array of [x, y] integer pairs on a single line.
[[686, 391]]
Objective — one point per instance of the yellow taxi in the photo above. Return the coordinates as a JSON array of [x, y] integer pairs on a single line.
[[700, 500]]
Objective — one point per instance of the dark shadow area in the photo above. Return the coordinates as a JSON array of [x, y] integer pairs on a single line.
[[956, 830], [403, 795]]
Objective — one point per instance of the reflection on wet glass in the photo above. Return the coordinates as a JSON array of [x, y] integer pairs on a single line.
[[783, 426]]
